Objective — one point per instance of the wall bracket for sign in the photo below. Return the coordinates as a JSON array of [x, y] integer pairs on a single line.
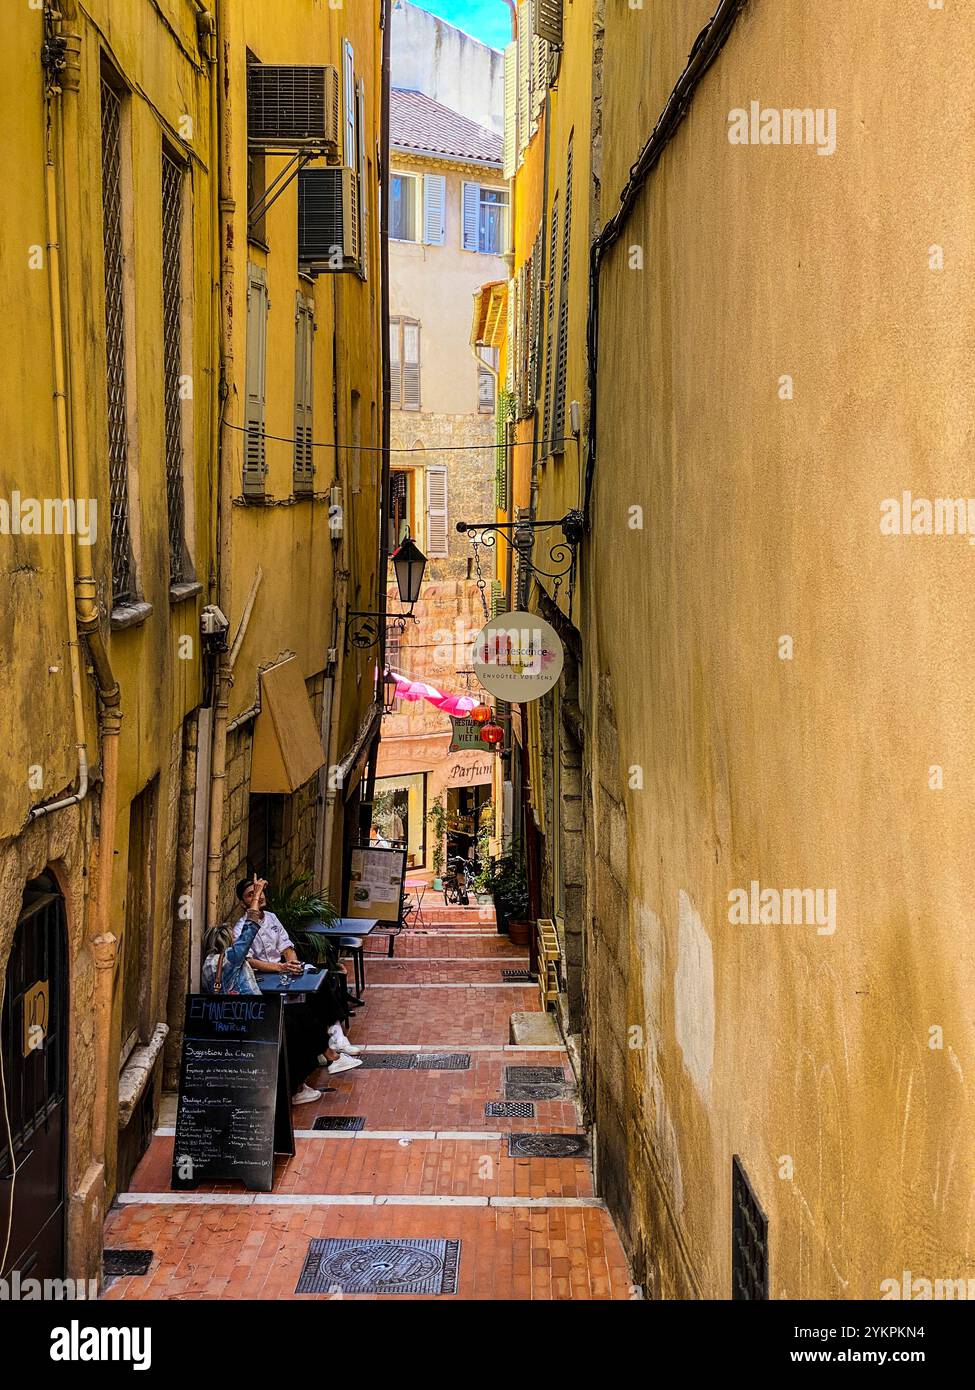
[[561, 554]]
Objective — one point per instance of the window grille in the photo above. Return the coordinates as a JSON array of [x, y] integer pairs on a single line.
[[749, 1240], [118, 442], [172, 262]]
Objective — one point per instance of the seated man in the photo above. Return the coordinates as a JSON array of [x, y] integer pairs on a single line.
[[273, 952]]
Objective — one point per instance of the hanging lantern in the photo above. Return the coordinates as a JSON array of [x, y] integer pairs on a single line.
[[390, 682], [409, 562], [481, 714], [492, 733]]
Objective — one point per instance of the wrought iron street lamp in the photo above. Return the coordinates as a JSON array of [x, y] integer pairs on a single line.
[[390, 682], [363, 629]]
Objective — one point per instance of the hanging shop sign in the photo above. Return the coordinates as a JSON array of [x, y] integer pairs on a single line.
[[466, 735], [518, 657]]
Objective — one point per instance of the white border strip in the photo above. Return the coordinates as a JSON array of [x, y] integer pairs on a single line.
[[340, 1199]]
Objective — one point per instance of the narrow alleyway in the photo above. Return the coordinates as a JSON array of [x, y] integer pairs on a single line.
[[426, 1161]]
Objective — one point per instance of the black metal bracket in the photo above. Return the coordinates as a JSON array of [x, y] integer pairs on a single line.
[[276, 187], [561, 554], [363, 630]]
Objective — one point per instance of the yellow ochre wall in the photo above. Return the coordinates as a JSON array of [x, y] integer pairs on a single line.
[[714, 762]]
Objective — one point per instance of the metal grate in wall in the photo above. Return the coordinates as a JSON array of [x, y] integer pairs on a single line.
[[749, 1239], [118, 445], [172, 217]]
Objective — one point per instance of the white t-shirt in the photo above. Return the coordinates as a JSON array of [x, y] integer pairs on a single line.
[[271, 941]]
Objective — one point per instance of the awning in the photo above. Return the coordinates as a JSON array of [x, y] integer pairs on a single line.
[[287, 744], [490, 315], [351, 766]]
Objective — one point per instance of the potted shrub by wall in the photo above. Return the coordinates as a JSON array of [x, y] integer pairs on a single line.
[[509, 887], [482, 878], [437, 821]]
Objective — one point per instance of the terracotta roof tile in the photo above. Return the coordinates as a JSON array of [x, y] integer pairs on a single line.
[[419, 125]]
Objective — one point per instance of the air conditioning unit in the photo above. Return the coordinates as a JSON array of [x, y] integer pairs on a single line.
[[329, 225], [291, 108]]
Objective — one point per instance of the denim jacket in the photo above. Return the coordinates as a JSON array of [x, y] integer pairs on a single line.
[[237, 976]]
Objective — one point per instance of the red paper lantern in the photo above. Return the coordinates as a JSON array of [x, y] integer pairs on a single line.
[[481, 714], [492, 733]]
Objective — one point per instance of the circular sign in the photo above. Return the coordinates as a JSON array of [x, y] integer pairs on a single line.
[[518, 657]]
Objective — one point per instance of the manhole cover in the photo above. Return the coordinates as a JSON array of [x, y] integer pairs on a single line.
[[344, 1122], [380, 1266], [548, 1146], [518, 976], [532, 1076], [391, 1061], [121, 1262], [546, 1091], [443, 1061], [519, 1109]]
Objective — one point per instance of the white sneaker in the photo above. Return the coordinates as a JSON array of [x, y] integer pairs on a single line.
[[322, 1060], [305, 1096], [338, 1042], [343, 1063]]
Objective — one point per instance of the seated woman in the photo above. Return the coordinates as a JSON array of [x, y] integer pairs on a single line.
[[273, 952], [227, 970]]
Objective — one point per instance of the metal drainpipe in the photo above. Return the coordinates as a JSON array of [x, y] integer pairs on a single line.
[[81, 593], [225, 253]]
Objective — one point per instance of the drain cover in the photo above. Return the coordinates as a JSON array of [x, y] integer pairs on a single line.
[[518, 976], [519, 1109], [443, 1061], [120, 1262], [532, 1076], [548, 1090], [548, 1146], [344, 1122], [391, 1061], [380, 1266]]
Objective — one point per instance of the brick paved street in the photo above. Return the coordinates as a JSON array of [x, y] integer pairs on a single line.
[[427, 1163]]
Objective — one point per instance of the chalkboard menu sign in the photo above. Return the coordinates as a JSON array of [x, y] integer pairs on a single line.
[[234, 1109]]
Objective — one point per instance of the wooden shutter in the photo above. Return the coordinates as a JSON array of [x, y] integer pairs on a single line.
[[436, 479], [348, 108], [548, 20], [255, 445], [471, 215], [549, 328], [411, 365], [524, 73], [539, 75], [510, 110], [304, 465], [395, 365], [562, 351], [363, 200], [434, 208]]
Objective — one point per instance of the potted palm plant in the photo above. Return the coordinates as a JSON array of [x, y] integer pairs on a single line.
[[296, 907]]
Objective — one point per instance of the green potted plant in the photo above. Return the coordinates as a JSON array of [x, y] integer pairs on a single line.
[[437, 821], [296, 907], [508, 884], [482, 878]]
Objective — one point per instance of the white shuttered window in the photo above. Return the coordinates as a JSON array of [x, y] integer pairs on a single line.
[[434, 208], [304, 466], [255, 445], [436, 480]]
